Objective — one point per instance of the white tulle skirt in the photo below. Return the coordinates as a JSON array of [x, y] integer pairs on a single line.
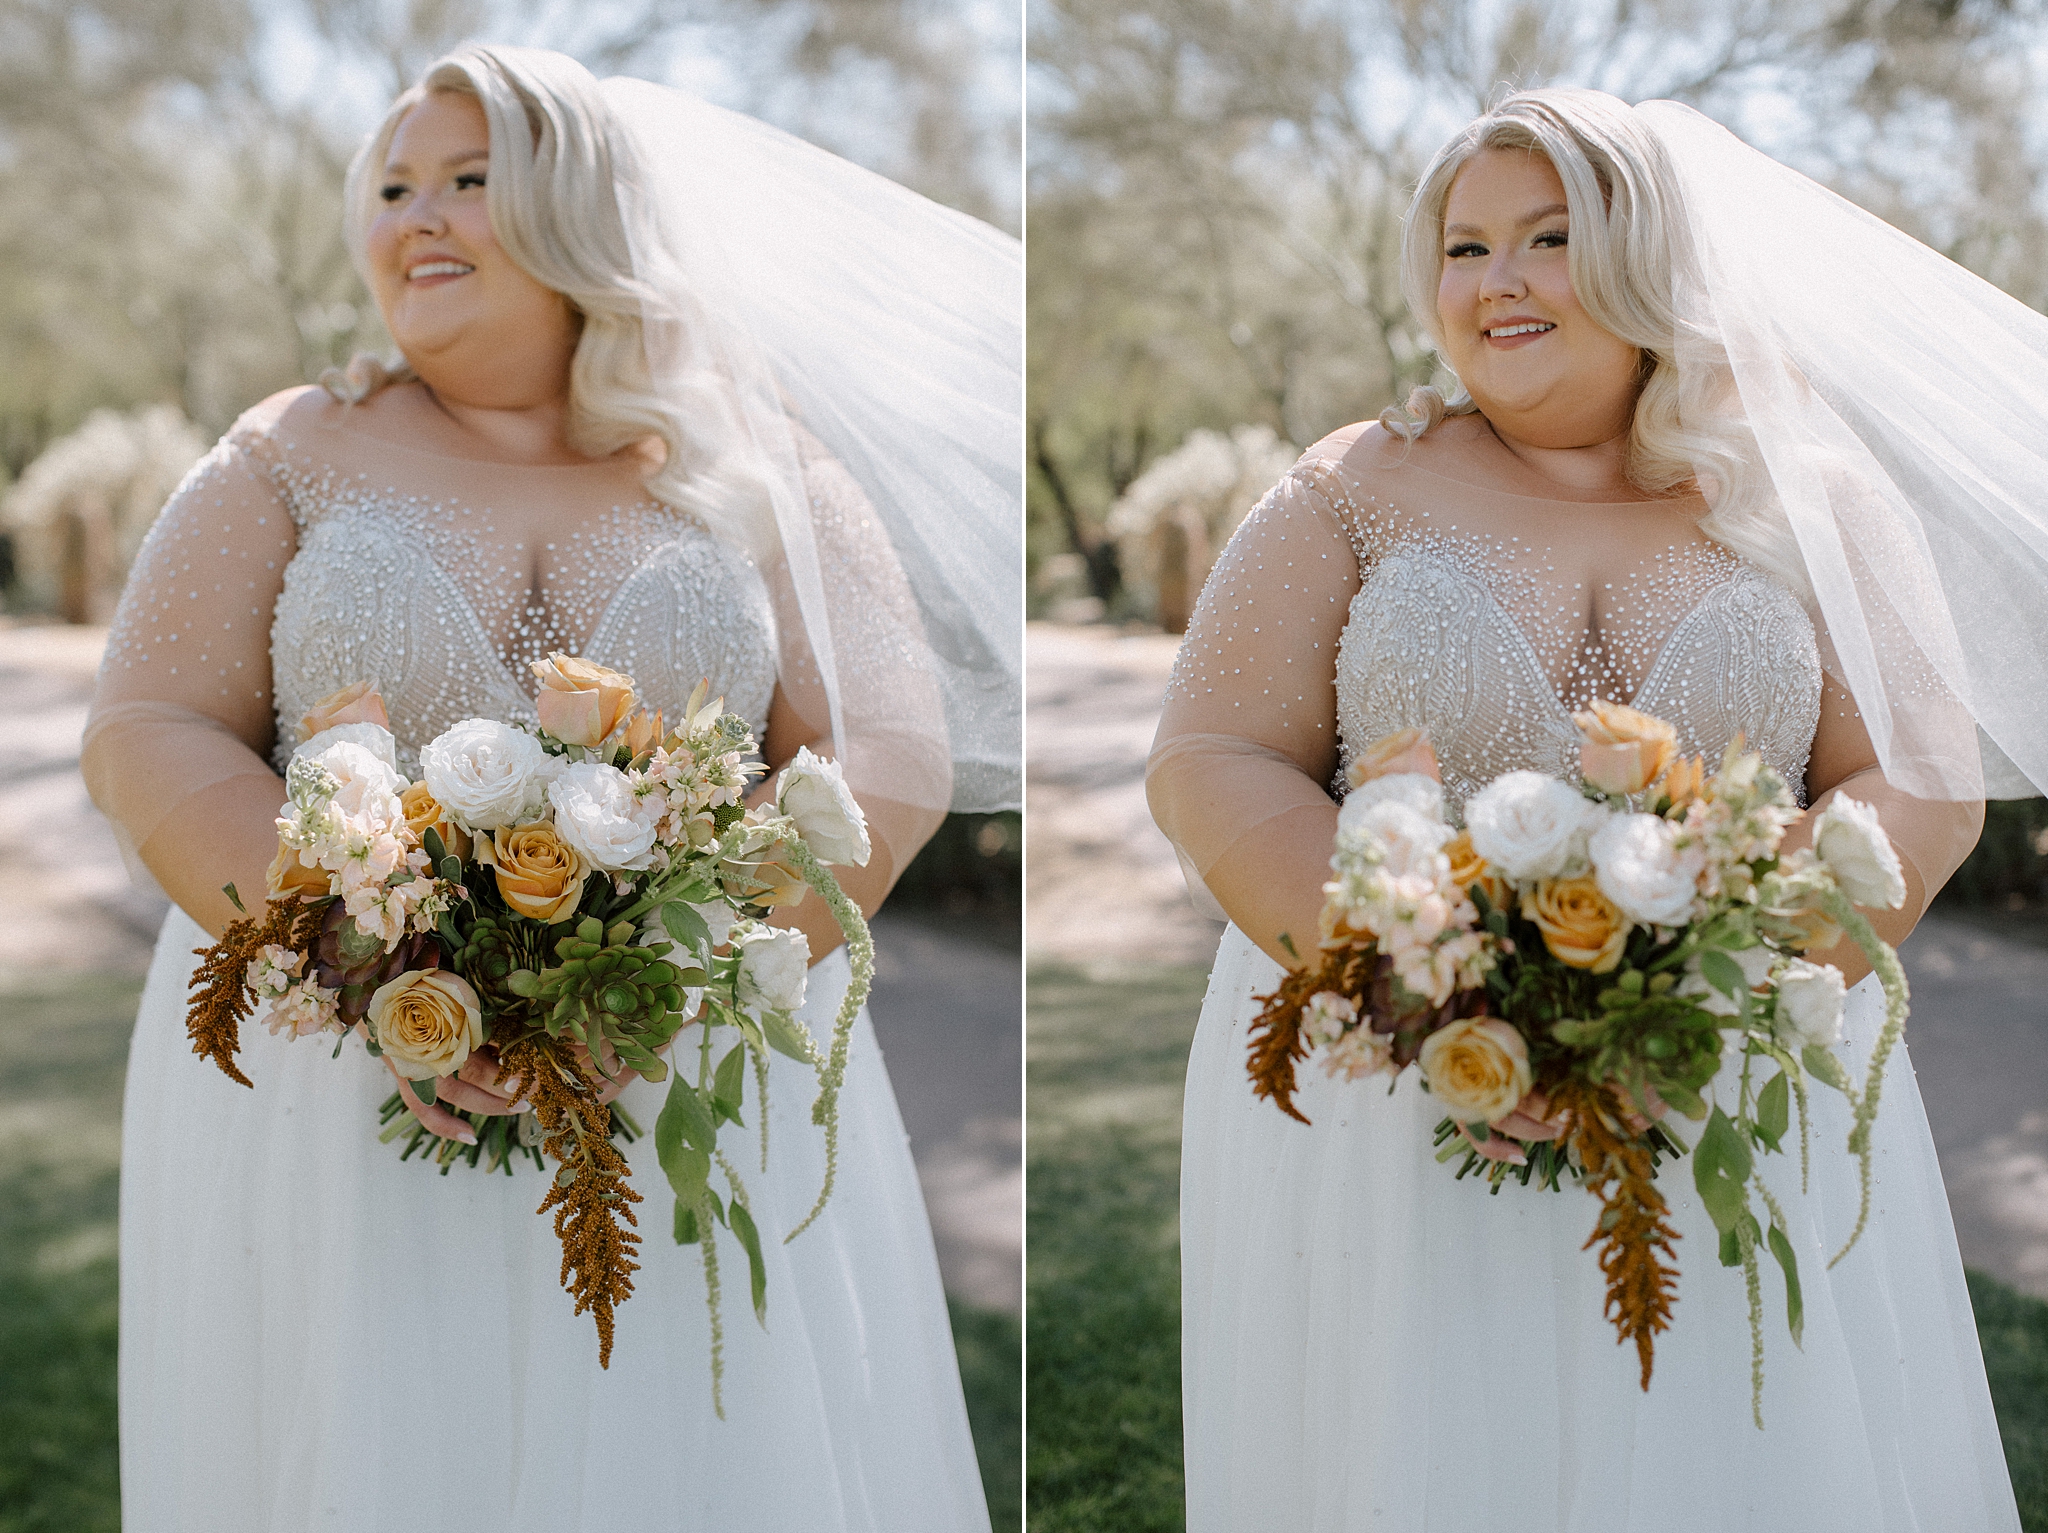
[[1369, 1343], [314, 1335]]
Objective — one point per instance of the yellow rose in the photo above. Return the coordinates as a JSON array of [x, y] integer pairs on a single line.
[[1469, 868], [426, 1022], [1623, 751], [539, 874], [581, 703], [1478, 1068], [423, 813], [288, 877], [358, 704], [1405, 750], [1581, 926]]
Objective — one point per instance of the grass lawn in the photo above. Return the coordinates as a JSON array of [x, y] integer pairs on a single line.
[[62, 1050], [1106, 1056]]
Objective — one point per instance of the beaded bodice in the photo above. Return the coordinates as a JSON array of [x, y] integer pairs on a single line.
[[374, 591], [439, 578], [1700, 639], [1382, 586]]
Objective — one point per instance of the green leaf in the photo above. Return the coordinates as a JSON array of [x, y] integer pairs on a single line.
[[1731, 1248], [1822, 1065], [728, 1082], [757, 1269], [687, 1166], [787, 1036], [1774, 1110], [694, 1118], [1788, 1259], [686, 926], [1720, 1168], [1684, 1098], [686, 1224], [523, 982], [234, 898], [435, 847], [1723, 973], [426, 1091]]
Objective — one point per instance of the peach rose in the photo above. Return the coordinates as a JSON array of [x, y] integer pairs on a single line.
[[288, 877], [423, 812], [1624, 751], [539, 874], [1469, 868], [581, 703], [1478, 1068], [358, 704], [1581, 926], [1405, 750], [426, 1022]]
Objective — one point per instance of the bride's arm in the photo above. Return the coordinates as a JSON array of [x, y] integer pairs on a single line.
[[1239, 772], [896, 754], [176, 745], [1931, 836]]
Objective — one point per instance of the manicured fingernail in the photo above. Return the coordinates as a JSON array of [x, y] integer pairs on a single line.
[[467, 1136]]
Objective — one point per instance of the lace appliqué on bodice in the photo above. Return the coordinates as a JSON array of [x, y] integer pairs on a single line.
[[1464, 635], [427, 598]]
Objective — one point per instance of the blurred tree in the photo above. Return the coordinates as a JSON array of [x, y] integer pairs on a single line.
[[1216, 186], [170, 170]]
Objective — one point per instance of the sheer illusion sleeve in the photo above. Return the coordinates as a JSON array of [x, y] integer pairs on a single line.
[[1239, 773], [176, 743], [894, 748]]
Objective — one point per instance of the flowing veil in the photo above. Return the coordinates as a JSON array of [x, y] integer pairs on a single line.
[[1899, 405], [838, 305]]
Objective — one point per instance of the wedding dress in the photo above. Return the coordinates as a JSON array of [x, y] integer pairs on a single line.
[[1370, 1343], [316, 1335]]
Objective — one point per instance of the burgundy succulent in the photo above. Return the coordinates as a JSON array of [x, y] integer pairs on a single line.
[[346, 960]]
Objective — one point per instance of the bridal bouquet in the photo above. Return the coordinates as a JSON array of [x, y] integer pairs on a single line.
[[571, 897], [1583, 959]]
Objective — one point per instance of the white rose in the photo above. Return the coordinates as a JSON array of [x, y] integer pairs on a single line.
[[366, 786], [486, 774], [1425, 795], [1755, 963], [813, 792], [1810, 1001], [775, 963], [1411, 841], [1856, 850], [1529, 826], [597, 814], [374, 738], [1638, 864]]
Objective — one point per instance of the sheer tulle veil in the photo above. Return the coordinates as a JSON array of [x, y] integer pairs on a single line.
[[1899, 406], [890, 328]]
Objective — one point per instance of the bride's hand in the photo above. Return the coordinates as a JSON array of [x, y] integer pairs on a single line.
[[476, 1087]]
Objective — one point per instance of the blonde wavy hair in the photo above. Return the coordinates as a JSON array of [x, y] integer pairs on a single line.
[[1633, 270], [557, 158]]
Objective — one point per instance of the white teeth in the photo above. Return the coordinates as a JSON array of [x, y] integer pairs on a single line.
[[1528, 329], [439, 269]]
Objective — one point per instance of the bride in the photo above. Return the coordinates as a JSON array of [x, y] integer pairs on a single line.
[[1712, 456], [692, 399]]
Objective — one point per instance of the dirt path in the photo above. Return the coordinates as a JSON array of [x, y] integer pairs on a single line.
[[1105, 891]]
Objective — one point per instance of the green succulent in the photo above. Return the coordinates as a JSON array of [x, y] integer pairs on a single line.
[[606, 986], [489, 953]]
